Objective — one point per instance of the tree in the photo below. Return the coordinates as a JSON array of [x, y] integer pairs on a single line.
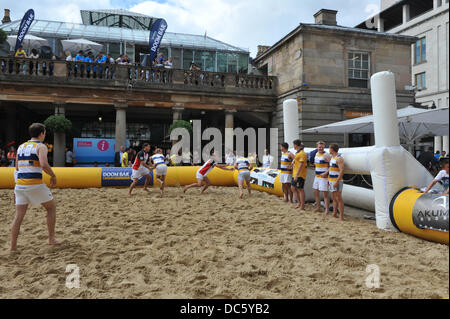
[[58, 124], [181, 124], [3, 36]]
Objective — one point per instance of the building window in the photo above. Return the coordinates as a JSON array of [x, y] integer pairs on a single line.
[[421, 83], [358, 69], [420, 51]]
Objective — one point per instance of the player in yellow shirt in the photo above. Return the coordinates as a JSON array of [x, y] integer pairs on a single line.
[[299, 175], [125, 158]]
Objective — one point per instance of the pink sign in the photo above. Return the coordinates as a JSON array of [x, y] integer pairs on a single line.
[[103, 145], [84, 144]]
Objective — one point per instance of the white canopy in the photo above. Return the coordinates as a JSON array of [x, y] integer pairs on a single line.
[[414, 123], [76, 45], [28, 43]]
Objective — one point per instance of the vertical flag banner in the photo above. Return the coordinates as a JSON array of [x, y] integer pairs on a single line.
[[25, 25], [156, 35]]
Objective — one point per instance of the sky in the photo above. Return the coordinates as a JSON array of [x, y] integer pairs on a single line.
[[242, 23]]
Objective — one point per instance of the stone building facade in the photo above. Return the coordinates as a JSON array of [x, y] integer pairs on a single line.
[[327, 68], [428, 20]]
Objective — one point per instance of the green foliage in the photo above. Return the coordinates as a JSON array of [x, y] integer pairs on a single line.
[[180, 124], [3, 36], [58, 124]]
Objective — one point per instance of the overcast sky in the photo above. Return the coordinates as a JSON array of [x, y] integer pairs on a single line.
[[243, 23]]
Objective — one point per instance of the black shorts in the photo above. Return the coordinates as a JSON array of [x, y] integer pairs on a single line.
[[299, 184]]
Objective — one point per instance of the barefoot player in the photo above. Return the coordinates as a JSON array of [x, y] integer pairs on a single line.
[[141, 168], [286, 171], [244, 166], [335, 180], [204, 171], [321, 179], [299, 172], [31, 160], [160, 167]]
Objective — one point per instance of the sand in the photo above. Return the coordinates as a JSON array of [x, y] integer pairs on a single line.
[[210, 246]]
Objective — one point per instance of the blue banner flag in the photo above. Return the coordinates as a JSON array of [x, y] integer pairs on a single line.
[[156, 35], [25, 25]]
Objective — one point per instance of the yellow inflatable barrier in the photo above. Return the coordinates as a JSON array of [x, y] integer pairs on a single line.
[[87, 177], [421, 215]]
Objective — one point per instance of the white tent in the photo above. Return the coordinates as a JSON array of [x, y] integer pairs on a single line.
[[414, 123], [76, 45], [28, 43]]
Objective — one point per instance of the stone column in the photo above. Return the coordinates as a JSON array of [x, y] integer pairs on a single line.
[[406, 13], [121, 124], [59, 140], [380, 24], [445, 145], [437, 143], [177, 113], [229, 126], [435, 4], [11, 124]]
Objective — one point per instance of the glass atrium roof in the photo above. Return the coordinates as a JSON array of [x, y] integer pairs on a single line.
[[67, 30], [117, 18]]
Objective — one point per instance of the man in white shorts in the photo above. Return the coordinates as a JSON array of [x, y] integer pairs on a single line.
[[203, 171], [141, 168], [321, 177], [31, 160], [335, 180], [160, 167], [244, 166], [286, 164]]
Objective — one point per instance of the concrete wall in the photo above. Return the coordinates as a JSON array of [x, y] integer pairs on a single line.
[[434, 25]]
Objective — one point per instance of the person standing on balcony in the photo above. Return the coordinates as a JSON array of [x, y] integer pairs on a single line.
[[69, 57], [168, 63], [20, 53]]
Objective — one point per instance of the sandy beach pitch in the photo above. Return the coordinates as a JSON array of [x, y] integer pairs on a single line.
[[211, 246]]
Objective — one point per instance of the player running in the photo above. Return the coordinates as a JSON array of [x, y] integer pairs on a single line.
[[159, 164], [244, 166], [141, 168], [204, 171]]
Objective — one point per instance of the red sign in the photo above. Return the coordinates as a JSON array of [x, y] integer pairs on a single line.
[[84, 144], [103, 145]]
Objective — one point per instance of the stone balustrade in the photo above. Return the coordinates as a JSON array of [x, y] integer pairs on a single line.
[[134, 75]]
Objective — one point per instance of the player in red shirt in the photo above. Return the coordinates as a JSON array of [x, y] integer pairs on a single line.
[[141, 168], [204, 171]]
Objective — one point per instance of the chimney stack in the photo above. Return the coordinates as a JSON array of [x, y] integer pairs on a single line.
[[262, 49], [6, 18], [325, 16]]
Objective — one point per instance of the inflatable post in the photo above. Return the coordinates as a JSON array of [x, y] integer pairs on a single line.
[[290, 120]]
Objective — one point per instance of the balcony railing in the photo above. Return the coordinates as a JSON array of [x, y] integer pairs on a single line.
[[134, 74]]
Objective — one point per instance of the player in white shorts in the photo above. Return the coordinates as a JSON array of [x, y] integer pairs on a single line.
[[203, 171], [160, 167], [244, 166], [141, 168], [287, 159], [320, 184], [31, 160]]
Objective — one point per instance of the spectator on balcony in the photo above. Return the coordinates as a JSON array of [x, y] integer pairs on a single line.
[[69, 57], [88, 58], [101, 59], [168, 63], [79, 57], [34, 55], [20, 53], [119, 59], [110, 59], [194, 67]]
